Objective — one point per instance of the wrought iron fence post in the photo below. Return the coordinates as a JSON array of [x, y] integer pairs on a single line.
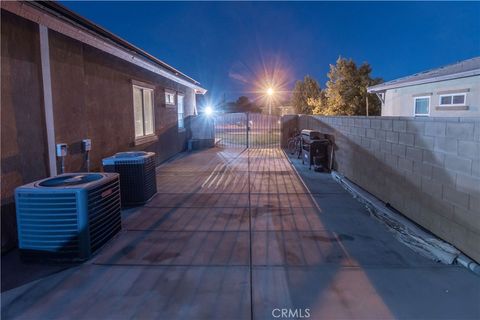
[[248, 128]]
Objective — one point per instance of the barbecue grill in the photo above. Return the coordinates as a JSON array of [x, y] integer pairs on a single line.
[[308, 135], [315, 149]]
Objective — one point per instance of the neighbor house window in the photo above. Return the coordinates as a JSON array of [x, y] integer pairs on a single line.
[[422, 106], [452, 100], [143, 111], [180, 111], [169, 97]]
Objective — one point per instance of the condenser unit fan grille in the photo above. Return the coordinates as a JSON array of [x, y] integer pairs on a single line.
[[70, 180]]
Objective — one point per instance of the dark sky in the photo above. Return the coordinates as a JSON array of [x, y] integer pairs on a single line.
[[230, 46]]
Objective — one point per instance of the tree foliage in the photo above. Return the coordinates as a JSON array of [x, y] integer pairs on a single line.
[[305, 94], [243, 104], [318, 105], [346, 91], [345, 94]]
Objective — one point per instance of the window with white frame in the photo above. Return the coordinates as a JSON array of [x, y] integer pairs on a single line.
[[169, 97], [143, 111], [180, 111], [452, 100], [422, 106]]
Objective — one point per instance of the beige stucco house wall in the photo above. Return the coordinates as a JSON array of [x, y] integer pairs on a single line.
[[434, 90], [401, 101]]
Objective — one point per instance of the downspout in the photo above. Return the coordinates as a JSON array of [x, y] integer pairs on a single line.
[[47, 99], [381, 97]]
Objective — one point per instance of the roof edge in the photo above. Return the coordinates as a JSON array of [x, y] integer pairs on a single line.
[[458, 75], [78, 19], [69, 18]]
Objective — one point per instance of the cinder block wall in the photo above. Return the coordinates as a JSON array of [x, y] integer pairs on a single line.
[[427, 168], [289, 126]]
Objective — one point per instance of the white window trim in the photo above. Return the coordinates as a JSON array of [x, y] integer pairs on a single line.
[[146, 139], [415, 114], [142, 85], [151, 136], [464, 94], [174, 94]]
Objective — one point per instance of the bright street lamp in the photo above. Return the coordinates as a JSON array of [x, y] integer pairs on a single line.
[[269, 100], [208, 110]]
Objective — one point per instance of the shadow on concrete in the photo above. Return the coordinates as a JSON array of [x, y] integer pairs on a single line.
[[416, 188], [385, 275]]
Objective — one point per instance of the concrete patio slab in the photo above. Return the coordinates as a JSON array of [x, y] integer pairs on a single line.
[[188, 219], [286, 219], [199, 200], [184, 248], [335, 292], [215, 182], [254, 240], [294, 248], [275, 182], [281, 200], [142, 292]]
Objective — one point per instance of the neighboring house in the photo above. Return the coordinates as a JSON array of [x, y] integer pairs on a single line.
[[449, 91], [64, 79]]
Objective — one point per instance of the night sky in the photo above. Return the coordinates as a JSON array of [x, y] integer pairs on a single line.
[[229, 47]]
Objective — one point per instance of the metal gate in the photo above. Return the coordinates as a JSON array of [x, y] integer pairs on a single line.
[[247, 130]]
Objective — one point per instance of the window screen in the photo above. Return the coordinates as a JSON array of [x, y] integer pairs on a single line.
[[422, 105], [180, 111], [453, 99], [143, 111]]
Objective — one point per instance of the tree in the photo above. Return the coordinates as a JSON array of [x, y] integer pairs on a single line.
[[346, 91], [305, 94], [318, 105], [243, 104]]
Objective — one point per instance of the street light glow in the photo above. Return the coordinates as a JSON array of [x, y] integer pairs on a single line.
[[270, 91], [208, 110]]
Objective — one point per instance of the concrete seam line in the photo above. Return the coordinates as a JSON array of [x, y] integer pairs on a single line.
[[407, 231], [303, 182]]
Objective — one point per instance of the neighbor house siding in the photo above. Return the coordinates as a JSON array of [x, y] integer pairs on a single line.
[[23, 141], [400, 101]]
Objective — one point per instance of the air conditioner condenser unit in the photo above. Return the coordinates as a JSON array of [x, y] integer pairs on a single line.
[[68, 217], [137, 175]]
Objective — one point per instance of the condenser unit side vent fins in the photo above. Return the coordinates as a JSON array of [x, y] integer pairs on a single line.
[[48, 223], [103, 208], [137, 175]]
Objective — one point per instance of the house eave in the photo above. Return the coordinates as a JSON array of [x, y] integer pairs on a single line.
[[60, 19], [386, 86]]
